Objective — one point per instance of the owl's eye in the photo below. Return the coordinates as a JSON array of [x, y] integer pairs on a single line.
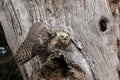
[[62, 36]]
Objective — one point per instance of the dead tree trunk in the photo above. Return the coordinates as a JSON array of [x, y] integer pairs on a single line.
[[90, 23]]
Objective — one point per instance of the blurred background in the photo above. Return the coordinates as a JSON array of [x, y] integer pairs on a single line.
[[8, 68]]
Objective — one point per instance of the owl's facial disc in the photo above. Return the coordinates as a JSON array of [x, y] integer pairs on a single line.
[[63, 38]]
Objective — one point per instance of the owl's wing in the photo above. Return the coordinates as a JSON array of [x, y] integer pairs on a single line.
[[41, 49], [30, 49], [36, 32], [24, 52]]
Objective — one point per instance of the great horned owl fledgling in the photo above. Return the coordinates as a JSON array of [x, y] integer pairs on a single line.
[[40, 41]]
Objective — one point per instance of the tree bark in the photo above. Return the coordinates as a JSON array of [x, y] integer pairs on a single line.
[[90, 23]]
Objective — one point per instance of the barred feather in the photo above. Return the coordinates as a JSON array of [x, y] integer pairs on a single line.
[[24, 53], [36, 36]]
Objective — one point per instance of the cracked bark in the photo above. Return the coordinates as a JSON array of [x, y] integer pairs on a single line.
[[84, 19]]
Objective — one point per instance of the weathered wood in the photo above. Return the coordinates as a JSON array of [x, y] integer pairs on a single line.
[[90, 23]]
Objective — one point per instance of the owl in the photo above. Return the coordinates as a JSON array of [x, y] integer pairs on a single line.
[[41, 40]]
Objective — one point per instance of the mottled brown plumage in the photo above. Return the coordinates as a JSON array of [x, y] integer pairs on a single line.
[[41, 40]]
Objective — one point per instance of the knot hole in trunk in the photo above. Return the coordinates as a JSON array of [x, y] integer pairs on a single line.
[[103, 23]]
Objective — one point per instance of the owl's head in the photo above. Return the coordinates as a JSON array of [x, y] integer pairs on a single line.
[[63, 38]]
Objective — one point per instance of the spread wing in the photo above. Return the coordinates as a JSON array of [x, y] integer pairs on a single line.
[[24, 52], [30, 49], [33, 43]]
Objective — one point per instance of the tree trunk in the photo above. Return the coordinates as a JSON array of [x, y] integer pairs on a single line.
[[90, 23]]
